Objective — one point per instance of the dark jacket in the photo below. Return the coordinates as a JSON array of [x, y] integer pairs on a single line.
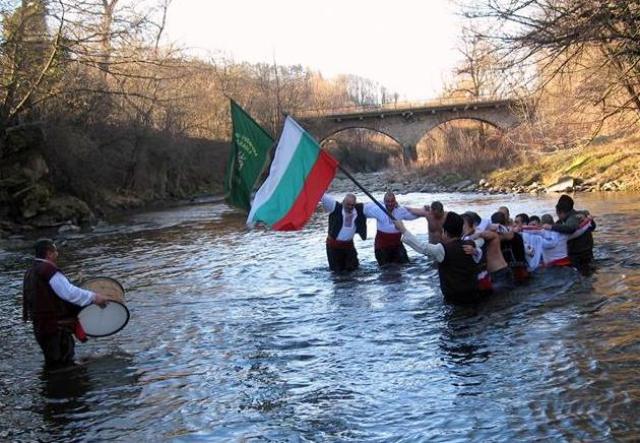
[[580, 245], [458, 274], [335, 221]]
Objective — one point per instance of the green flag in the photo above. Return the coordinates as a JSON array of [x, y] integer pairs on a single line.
[[249, 156]]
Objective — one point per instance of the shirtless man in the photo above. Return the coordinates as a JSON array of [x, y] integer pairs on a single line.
[[435, 215], [501, 275]]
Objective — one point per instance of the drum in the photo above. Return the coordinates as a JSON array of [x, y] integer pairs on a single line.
[[106, 286], [102, 322]]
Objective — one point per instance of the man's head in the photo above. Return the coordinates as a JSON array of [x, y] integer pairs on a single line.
[[452, 225], [390, 201], [469, 223], [564, 206], [349, 202], [534, 220], [437, 209], [521, 219], [499, 218], [505, 211], [475, 217], [547, 219], [46, 249]]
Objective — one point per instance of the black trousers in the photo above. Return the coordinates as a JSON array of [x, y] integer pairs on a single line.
[[583, 262], [395, 254], [342, 259], [58, 348]]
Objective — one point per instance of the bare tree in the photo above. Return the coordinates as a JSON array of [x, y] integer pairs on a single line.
[[583, 37]]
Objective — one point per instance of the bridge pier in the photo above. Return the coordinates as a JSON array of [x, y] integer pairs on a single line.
[[409, 154]]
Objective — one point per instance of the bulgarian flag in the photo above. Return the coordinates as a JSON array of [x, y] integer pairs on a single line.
[[300, 173]]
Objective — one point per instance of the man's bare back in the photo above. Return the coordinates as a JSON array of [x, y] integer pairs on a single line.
[[495, 259], [435, 221]]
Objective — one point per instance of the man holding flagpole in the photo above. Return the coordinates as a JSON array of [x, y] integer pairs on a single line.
[[388, 246], [345, 220]]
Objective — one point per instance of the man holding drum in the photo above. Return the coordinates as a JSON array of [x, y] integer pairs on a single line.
[[52, 302]]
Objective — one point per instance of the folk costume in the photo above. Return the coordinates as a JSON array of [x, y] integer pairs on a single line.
[[388, 245], [343, 225], [52, 303]]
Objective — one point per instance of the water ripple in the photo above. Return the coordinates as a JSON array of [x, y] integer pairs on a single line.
[[239, 335]]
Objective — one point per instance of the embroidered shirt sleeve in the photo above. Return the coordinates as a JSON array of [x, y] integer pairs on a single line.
[[426, 248]]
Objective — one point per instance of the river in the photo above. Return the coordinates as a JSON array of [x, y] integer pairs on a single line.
[[240, 335]]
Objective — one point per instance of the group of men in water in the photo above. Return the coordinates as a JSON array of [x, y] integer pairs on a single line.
[[475, 256]]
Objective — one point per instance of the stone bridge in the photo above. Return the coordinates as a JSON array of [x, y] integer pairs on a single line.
[[408, 124]]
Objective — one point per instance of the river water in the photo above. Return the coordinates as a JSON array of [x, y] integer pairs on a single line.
[[246, 336]]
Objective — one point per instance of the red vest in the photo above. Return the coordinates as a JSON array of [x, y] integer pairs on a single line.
[[40, 303]]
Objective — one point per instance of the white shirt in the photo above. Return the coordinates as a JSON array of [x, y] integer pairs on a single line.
[[66, 291], [534, 249], [348, 229], [384, 223], [477, 255], [484, 224], [554, 244]]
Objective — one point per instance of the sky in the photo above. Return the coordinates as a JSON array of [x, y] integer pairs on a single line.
[[407, 46]]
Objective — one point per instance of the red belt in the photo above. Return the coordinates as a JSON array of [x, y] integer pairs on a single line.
[[339, 244], [559, 262], [386, 240]]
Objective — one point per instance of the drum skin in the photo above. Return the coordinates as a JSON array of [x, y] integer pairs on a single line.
[[103, 321], [106, 286]]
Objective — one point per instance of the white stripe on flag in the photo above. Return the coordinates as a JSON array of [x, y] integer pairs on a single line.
[[287, 145]]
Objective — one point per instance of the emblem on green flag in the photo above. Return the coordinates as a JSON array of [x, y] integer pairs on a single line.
[[248, 158]]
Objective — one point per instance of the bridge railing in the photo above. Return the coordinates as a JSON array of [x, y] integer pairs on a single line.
[[398, 106]]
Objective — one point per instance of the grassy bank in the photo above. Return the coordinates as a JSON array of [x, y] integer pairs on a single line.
[[613, 162]]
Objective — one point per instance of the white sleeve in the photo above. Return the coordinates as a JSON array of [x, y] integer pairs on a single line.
[[66, 291], [405, 214], [328, 203], [435, 251], [477, 254], [370, 210], [484, 224]]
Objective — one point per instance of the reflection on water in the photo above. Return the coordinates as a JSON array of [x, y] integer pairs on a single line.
[[239, 335]]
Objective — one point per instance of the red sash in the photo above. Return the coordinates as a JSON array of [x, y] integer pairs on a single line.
[[484, 282], [559, 262], [339, 244], [386, 240]]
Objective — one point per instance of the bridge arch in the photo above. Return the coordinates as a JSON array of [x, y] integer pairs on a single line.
[[459, 135], [363, 149], [342, 129]]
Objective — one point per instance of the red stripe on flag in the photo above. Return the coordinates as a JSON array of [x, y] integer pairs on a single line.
[[315, 185]]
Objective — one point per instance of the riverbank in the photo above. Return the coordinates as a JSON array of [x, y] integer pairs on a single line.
[[605, 165], [59, 177]]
